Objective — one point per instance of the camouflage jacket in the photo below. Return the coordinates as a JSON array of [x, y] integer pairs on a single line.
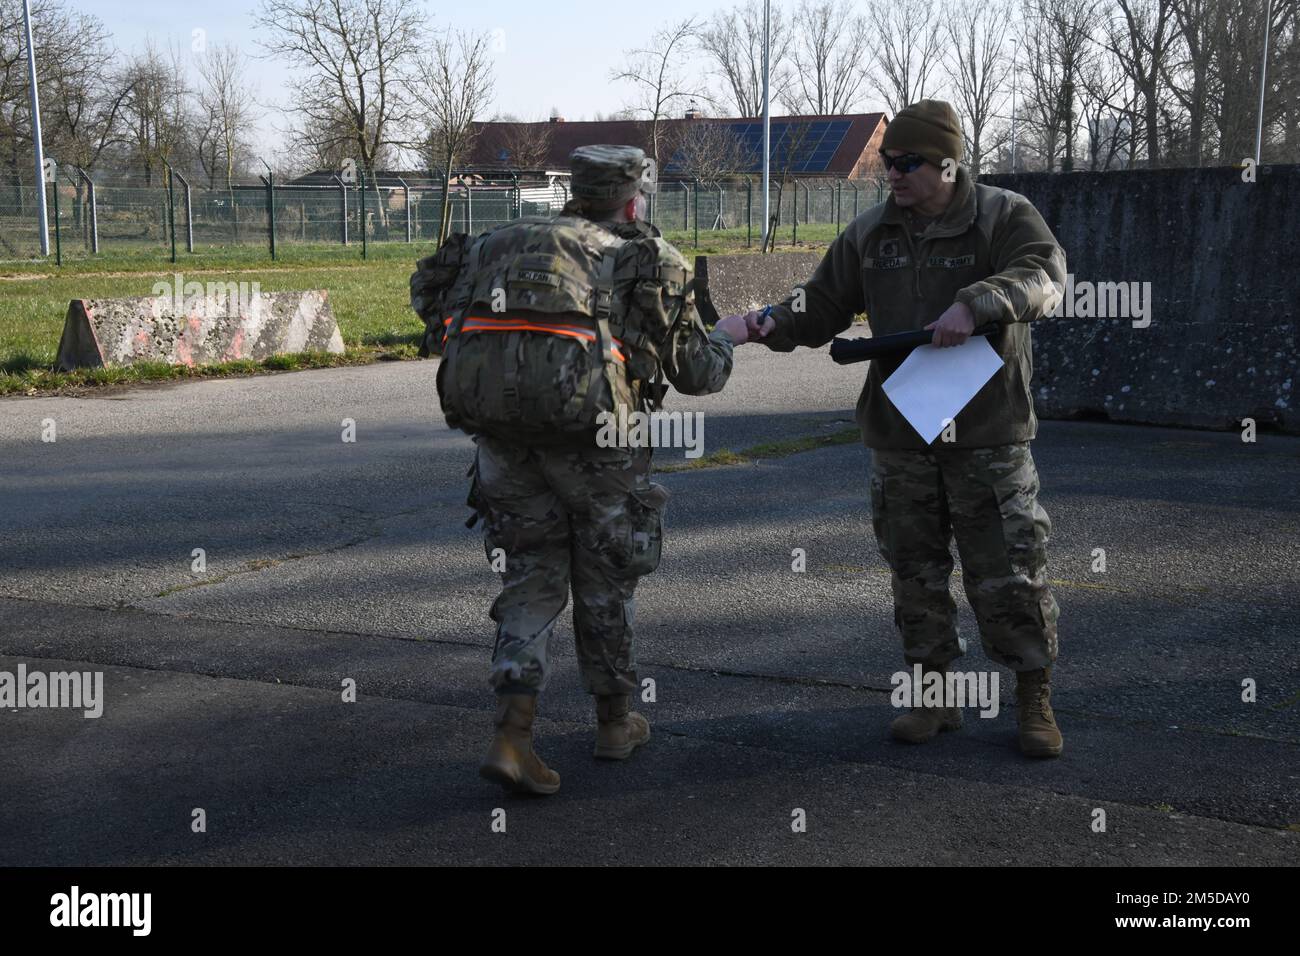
[[990, 249], [695, 361]]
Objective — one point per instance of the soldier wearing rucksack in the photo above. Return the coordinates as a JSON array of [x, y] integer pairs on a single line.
[[546, 326]]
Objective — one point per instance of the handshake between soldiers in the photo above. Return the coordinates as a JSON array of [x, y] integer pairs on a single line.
[[547, 326]]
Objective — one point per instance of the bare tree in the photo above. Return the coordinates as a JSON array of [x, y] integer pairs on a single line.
[[1108, 105], [1287, 89], [977, 69], [1236, 43], [733, 42], [227, 107], [1141, 38], [708, 150], [82, 103], [527, 143], [1235, 76], [156, 110], [15, 115], [82, 98], [1041, 121], [659, 82], [326, 142], [1190, 79], [996, 147], [452, 87], [908, 39], [1058, 42], [226, 112], [352, 60], [829, 52]]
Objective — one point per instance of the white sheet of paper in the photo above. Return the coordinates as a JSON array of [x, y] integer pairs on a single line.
[[933, 384]]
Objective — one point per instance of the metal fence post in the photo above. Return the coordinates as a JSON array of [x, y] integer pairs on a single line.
[[794, 214], [269, 179], [361, 187], [749, 212], [854, 187], [686, 206], [58, 242], [189, 219], [343, 207], [270, 203], [406, 190], [469, 209], [695, 184], [171, 208], [94, 215]]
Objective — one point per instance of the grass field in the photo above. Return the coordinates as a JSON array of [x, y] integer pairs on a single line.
[[369, 297]]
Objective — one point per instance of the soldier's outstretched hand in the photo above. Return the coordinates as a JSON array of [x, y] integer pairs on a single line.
[[759, 324], [736, 328]]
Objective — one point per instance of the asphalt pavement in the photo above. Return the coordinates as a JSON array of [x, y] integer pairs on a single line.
[[326, 561]]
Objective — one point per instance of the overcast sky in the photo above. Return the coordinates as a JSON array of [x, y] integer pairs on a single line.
[[555, 55]]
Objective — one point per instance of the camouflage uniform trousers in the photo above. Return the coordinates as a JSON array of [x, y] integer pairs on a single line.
[[987, 499], [585, 519]]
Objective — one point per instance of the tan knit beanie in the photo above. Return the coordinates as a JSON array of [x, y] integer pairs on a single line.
[[927, 127]]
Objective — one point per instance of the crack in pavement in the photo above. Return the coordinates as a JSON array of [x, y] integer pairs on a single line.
[[255, 565]]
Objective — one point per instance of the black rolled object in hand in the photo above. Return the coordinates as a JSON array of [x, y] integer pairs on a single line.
[[848, 351]]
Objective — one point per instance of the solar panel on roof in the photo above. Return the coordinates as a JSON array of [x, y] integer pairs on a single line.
[[801, 147]]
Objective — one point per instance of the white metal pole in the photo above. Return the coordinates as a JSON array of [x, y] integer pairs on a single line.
[[42, 224], [1263, 85], [767, 118]]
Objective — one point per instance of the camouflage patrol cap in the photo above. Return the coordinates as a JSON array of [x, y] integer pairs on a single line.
[[609, 175]]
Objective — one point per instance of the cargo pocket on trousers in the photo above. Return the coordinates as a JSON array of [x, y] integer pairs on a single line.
[[879, 523], [1021, 533], [1048, 612], [645, 508]]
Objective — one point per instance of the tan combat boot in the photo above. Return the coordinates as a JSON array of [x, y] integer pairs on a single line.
[[1039, 735], [510, 759], [921, 724], [619, 730]]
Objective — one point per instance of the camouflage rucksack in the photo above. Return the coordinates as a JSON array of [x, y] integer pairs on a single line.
[[430, 283], [551, 322]]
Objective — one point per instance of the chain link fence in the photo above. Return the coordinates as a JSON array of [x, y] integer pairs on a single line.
[[173, 216], [693, 207]]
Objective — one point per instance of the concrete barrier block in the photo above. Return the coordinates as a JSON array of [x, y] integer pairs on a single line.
[[740, 282], [210, 325], [1213, 253]]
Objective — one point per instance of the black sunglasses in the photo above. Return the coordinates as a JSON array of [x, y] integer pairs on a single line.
[[905, 163]]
